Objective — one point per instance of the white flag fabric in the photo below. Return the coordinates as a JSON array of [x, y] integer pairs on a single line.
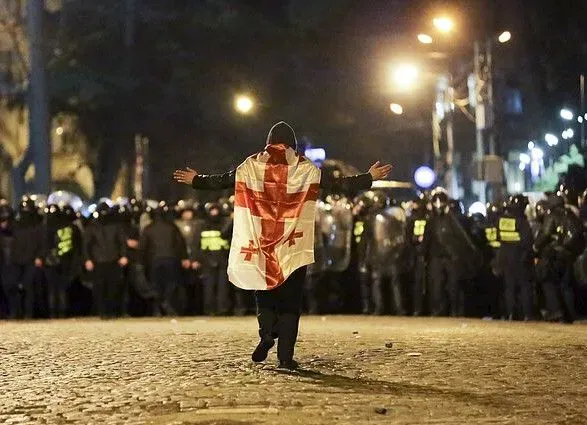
[[274, 213]]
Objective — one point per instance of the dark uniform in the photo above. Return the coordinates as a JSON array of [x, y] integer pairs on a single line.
[[515, 258], [63, 259], [211, 251], [104, 251], [361, 239], [22, 253], [415, 228], [164, 252], [451, 257], [278, 310], [558, 244], [189, 226]]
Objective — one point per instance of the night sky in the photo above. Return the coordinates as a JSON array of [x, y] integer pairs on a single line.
[[322, 66]]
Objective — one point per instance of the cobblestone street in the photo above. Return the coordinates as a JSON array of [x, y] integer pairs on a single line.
[[354, 370]]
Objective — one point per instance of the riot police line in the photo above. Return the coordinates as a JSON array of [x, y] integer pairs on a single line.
[[374, 255]]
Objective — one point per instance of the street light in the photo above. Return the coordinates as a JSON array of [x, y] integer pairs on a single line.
[[243, 104], [566, 114], [396, 108], [551, 139], [504, 37], [404, 76], [424, 39], [443, 24]]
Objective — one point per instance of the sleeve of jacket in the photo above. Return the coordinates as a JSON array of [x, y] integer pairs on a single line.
[[144, 245], [526, 236], [41, 246], [215, 181], [121, 239], [87, 241], [197, 254], [544, 236], [180, 244], [346, 184]]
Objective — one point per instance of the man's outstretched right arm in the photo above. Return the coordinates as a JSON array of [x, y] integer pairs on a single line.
[[214, 181], [203, 181]]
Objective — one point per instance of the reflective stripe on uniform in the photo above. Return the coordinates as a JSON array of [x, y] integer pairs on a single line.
[[509, 236], [65, 243], [507, 230], [507, 224], [211, 240], [358, 230], [491, 236], [419, 227]]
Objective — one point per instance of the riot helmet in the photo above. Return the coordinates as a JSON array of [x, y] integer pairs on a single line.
[[541, 210], [517, 204], [456, 206], [569, 194], [6, 213], [439, 201]]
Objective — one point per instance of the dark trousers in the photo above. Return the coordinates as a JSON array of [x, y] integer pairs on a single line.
[[518, 286], [216, 290], [278, 313], [165, 275], [311, 288], [18, 285], [443, 280], [107, 286], [559, 294], [419, 288], [377, 292], [57, 285]]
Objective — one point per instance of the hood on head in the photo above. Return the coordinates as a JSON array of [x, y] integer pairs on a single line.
[[282, 133]]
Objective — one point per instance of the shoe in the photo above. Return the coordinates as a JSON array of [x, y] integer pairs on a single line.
[[288, 364], [260, 353]]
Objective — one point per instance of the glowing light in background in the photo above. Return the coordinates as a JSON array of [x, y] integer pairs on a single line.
[[424, 177]]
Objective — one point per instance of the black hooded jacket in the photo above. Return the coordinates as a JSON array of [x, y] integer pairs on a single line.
[[282, 133]]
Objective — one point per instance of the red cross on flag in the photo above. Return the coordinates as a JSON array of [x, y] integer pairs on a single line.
[[274, 213]]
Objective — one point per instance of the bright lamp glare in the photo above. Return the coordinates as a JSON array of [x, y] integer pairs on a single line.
[[551, 139], [537, 154], [443, 24], [404, 76], [424, 177], [522, 166], [505, 36], [243, 104], [396, 108], [424, 39], [530, 145], [524, 158], [580, 119], [477, 208], [566, 114]]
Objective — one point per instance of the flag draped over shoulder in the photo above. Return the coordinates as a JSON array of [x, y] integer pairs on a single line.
[[274, 213]]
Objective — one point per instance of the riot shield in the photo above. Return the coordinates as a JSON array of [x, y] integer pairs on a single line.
[[334, 231], [389, 229]]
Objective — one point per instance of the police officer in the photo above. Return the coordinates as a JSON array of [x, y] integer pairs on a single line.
[[415, 227], [451, 256], [212, 248], [387, 244], [105, 257], [63, 259], [189, 226], [23, 253], [558, 244], [164, 251], [515, 258]]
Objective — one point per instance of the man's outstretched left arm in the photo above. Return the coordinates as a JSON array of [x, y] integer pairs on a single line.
[[358, 182]]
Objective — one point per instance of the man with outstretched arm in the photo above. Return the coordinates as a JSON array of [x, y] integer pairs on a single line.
[[273, 239]]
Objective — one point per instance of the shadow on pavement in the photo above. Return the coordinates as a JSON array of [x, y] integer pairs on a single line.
[[368, 385]]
